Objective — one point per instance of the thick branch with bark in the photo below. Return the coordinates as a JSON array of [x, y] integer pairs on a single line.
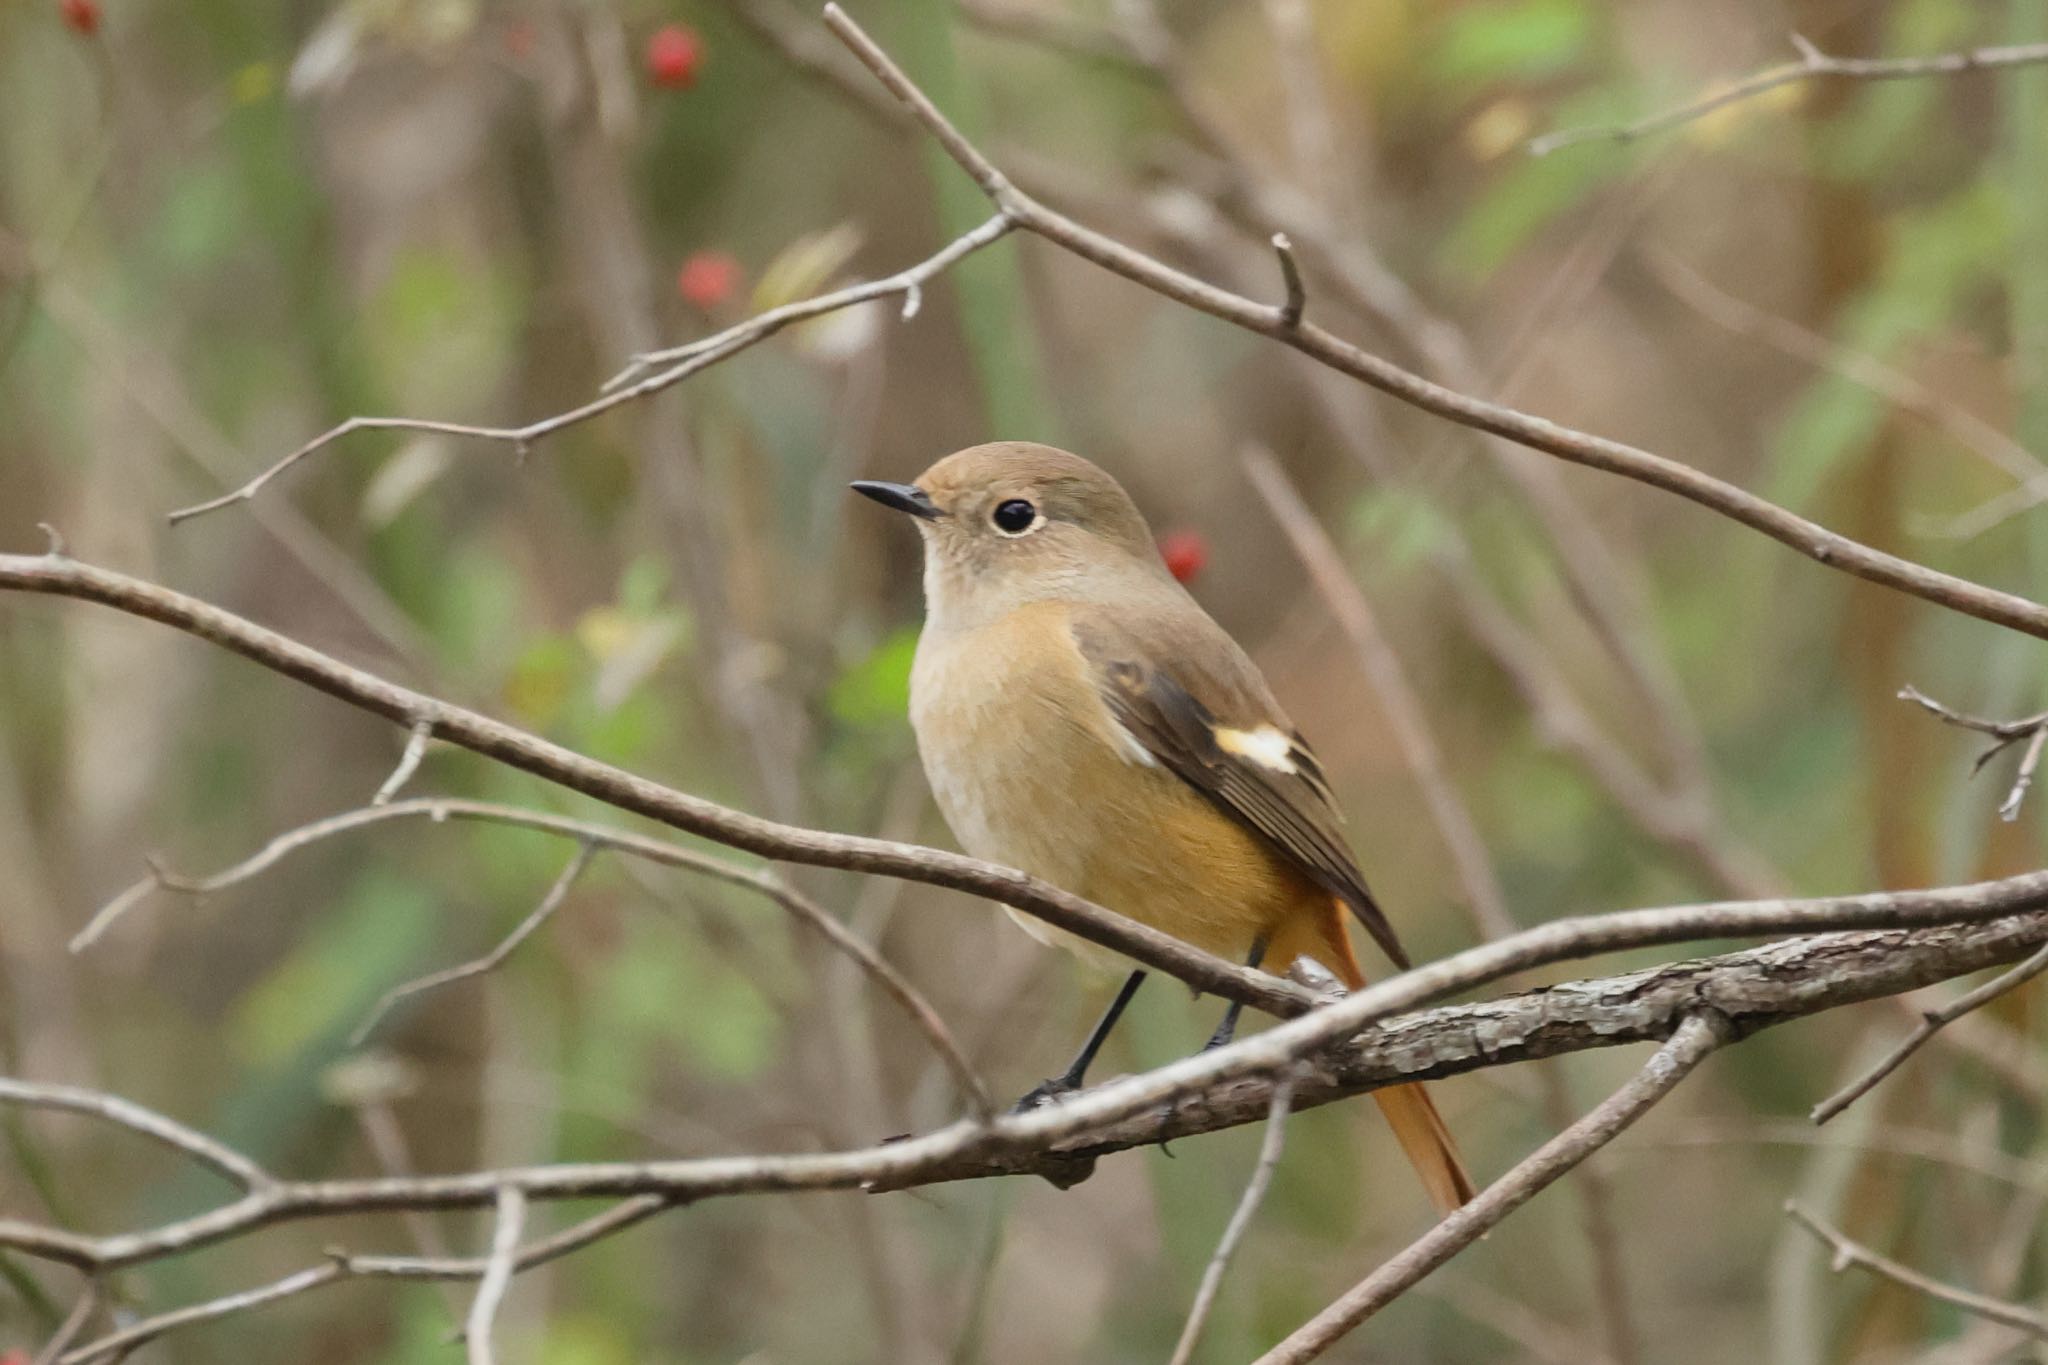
[[1226, 1088]]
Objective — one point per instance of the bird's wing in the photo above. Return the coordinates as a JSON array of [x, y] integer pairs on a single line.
[[1215, 725]]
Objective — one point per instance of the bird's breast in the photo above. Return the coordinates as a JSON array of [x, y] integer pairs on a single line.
[[1031, 770], [1004, 717]]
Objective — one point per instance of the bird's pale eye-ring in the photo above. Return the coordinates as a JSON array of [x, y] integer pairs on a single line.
[[1015, 516]]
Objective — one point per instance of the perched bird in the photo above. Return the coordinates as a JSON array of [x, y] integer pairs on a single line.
[[1080, 717]]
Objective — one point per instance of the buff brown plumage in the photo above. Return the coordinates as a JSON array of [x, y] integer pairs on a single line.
[[1081, 717]]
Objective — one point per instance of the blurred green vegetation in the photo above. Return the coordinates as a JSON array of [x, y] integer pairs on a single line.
[[229, 225]]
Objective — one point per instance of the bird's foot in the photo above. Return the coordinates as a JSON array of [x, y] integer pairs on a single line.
[[1050, 1091]]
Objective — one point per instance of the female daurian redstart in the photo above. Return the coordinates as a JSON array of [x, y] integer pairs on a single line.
[[1081, 718]]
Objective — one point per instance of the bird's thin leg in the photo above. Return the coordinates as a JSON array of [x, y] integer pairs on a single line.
[[1070, 1079], [1227, 1030]]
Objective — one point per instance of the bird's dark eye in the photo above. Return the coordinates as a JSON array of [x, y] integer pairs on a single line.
[[1014, 517]]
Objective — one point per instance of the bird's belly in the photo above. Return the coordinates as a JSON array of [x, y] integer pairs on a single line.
[[1029, 770]]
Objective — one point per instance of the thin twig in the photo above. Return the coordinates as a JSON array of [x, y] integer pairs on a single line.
[[1695, 1039], [1931, 1023], [216, 1156], [341, 1265], [490, 1291], [74, 1323], [408, 763], [1849, 1253], [490, 961], [671, 367], [2009, 809], [1812, 64], [597, 837], [2004, 734], [118, 1344], [1240, 1220], [1290, 272]]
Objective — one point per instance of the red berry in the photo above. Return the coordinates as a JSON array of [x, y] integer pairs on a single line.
[[82, 16], [520, 36], [1185, 552], [17, 1356], [708, 278], [674, 53]]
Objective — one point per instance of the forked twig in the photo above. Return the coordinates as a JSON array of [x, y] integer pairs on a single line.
[[1849, 1253], [592, 836], [489, 962], [2004, 734], [670, 367], [1931, 1023]]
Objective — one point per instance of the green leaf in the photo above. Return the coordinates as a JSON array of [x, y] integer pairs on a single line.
[[1526, 40], [876, 691]]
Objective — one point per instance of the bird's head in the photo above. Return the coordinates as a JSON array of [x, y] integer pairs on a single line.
[[1011, 523]]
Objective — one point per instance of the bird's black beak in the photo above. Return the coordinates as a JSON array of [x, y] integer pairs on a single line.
[[903, 497]]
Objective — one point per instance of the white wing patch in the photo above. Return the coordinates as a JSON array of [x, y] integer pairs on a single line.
[[1265, 746]]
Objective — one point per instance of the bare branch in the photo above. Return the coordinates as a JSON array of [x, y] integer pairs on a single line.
[[1808, 538], [490, 1291], [616, 787], [2009, 809], [909, 283], [341, 1265], [222, 1160], [2004, 733], [619, 788], [1931, 1023], [671, 367], [1240, 1220], [1223, 1088], [1813, 64], [118, 1344], [591, 836], [1849, 1253], [490, 961], [1699, 1036]]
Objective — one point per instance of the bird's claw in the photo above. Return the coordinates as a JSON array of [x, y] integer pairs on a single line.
[[1050, 1091]]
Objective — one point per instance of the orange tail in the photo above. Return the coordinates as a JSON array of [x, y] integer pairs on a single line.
[[1430, 1147], [1410, 1112]]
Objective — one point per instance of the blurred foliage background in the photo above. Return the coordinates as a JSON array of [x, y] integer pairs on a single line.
[[226, 226]]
